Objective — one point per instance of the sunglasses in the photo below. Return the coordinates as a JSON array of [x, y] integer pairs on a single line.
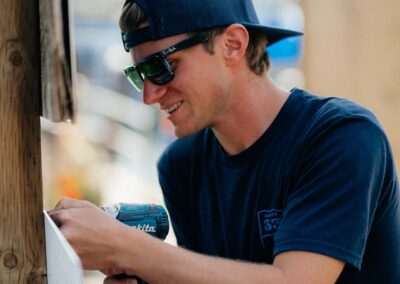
[[156, 68]]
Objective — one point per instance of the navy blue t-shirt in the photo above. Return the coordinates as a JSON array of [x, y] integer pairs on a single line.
[[320, 179]]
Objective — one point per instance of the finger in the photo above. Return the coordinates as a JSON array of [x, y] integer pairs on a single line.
[[64, 203], [57, 217], [115, 280], [112, 271], [106, 271], [67, 203]]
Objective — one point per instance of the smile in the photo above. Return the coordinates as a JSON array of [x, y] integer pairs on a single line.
[[173, 108]]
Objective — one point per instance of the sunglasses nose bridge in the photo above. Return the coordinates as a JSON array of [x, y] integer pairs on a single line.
[[153, 93]]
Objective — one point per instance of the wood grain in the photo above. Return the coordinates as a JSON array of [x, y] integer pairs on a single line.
[[21, 225], [58, 60]]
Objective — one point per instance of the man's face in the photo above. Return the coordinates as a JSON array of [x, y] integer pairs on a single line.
[[196, 98]]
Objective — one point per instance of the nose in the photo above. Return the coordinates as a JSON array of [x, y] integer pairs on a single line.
[[152, 93]]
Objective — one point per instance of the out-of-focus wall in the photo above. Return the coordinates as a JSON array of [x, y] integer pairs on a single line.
[[352, 50]]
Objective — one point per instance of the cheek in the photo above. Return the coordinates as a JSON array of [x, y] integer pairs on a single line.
[[201, 77], [200, 66], [191, 73]]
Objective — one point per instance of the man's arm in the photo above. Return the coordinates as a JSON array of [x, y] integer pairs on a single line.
[[161, 263], [102, 242]]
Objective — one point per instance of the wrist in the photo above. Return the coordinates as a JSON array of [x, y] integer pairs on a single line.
[[129, 244]]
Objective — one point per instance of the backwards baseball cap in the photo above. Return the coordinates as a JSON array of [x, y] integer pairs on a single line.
[[172, 17]]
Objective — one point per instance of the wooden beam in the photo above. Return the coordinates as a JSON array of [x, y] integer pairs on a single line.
[[21, 226], [58, 60]]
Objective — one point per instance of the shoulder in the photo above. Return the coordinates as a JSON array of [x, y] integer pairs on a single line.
[[338, 131], [324, 114], [331, 108]]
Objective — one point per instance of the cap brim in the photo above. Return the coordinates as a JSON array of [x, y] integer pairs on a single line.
[[273, 34]]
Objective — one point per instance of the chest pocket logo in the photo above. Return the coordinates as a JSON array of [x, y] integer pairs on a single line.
[[268, 222]]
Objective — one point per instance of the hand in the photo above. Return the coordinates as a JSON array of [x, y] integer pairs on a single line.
[[95, 236]]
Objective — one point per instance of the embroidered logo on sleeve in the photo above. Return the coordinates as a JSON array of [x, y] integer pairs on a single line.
[[268, 222]]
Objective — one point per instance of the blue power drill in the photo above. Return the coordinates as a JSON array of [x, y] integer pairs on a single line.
[[149, 218]]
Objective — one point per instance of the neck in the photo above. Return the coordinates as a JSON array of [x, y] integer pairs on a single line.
[[254, 105]]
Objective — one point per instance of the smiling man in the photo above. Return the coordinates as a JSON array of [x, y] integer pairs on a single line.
[[264, 185]]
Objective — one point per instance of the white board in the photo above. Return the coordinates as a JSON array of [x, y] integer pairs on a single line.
[[63, 264]]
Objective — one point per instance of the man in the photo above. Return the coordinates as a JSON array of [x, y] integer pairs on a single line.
[[264, 186]]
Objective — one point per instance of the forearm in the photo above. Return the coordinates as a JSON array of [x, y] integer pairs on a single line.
[[102, 242], [157, 262]]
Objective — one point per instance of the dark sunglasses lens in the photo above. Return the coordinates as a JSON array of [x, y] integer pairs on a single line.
[[157, 70], [152, 67], [134, 78]]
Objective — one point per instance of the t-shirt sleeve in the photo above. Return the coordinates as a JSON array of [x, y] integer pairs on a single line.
[[336, 193], [175, 200]]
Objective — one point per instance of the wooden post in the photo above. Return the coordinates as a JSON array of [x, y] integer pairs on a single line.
[[21, 226], [58, 60]]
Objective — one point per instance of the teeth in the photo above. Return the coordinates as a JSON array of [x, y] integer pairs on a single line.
[[172, 108]]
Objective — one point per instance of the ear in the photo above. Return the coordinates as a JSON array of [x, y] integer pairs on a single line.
[[235, 41]]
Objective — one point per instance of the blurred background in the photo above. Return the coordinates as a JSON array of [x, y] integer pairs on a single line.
[[350, 49]]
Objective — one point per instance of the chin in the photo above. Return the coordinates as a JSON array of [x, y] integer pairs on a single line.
[[187, 129], [182, 133], [179, 134]]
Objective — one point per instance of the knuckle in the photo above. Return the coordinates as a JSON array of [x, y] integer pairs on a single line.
[[63, 202], [87, 203], [66, 216]]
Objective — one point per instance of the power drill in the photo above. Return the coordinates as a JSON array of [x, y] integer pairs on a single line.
[[149, 218]]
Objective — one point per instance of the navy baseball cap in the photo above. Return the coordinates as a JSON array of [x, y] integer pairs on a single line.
[[172, 17]]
